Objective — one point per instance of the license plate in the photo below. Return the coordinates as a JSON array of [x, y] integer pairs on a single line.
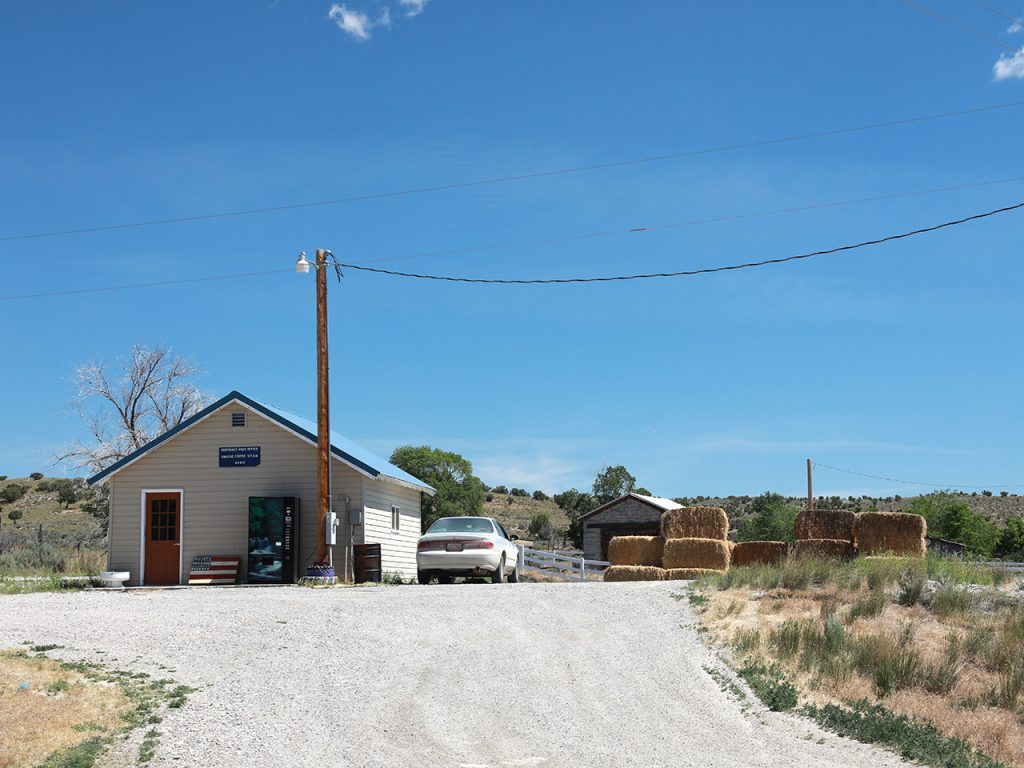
[[453, 546]]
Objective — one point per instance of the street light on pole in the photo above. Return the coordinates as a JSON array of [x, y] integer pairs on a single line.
[[324, 553]]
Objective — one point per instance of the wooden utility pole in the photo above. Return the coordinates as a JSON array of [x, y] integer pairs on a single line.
[[323, 443], [810, 489]]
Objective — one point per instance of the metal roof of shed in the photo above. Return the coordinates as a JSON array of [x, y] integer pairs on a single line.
[[353, 454], [654, 501]]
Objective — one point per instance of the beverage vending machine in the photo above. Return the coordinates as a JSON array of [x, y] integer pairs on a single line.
[[273, 539]]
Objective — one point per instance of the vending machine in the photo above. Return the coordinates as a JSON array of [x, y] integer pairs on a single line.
[[273, 539]]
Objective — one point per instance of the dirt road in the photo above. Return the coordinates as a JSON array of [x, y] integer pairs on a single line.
[[469, 676]]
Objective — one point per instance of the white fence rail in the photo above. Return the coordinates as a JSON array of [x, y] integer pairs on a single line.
[[565, 567], [1011, 567]]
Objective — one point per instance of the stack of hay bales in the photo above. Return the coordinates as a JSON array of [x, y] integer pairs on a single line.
[[890, 533], [759, 552], [695, 542], [824, 533], [635, 558]]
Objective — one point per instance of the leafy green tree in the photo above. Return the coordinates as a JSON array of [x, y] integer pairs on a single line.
[[540, 527], [770, 519], [540, 496], [613, 482], [642, 491], [501, 490], [459, 491], [1011, 543], [950, 518], [67, 494], [14, 515], [575, 504], [36, 476], [519, 492]]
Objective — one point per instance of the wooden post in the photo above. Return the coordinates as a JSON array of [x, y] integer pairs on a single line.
[[810, 489], [323, 443]]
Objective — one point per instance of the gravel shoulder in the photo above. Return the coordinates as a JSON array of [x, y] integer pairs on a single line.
[[474, 676]]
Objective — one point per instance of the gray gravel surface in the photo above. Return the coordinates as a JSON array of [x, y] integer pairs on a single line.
[[467, 675]]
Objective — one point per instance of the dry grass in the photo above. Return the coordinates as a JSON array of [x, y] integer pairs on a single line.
[[897, 533], [45, 708], [712, 554], [633, 573], [764, 552], [843, 639], [825, 524], [695, 523], [636, 550]]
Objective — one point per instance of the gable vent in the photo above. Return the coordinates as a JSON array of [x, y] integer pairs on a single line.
[[238, 419]]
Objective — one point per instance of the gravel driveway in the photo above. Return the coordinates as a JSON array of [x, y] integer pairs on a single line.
[[463, 675]]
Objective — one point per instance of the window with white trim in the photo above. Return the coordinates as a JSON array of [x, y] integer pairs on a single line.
[[396, 517]]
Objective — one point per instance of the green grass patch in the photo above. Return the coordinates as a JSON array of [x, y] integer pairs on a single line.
[[912, 740], [771, 686]]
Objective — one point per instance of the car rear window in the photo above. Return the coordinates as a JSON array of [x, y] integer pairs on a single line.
[[461, 525]]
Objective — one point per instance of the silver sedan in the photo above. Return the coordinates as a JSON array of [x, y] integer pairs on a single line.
[[467, 546]]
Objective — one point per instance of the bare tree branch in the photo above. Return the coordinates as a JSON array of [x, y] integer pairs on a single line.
[[152, 394]]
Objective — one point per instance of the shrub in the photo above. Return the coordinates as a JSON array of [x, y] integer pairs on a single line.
[[13, 492], [489, 497], [501, 490], [14, 515], [36, 476], [911, 588], [771, 687], [540, 496], [520, 492], [540, 526], [869, 606], [67, 494], [949, 599]]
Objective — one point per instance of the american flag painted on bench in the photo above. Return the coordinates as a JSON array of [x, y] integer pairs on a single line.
[[214, 569]]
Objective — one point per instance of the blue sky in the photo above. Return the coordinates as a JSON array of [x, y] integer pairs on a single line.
[[902, 360]]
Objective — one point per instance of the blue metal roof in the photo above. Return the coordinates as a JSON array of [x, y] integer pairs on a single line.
[[342, 447]]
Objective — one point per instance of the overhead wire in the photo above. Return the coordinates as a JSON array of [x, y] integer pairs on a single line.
[[998, 12], [689, 272], [817, 464], [689, 222], [958, 25], [512, 177], [538, 281]]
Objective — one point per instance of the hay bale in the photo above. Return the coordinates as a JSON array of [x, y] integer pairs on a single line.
[[896, 533], [825, 524], [633, 573], [763, 552], [680, 574], [696, 553], [636, 550], [695, 523], [823, 549]]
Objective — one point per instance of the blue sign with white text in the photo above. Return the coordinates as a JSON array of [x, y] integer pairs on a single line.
[[248, 456]]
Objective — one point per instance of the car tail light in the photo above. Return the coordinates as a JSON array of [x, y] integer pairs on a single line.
[[479, 544], [428, 545]]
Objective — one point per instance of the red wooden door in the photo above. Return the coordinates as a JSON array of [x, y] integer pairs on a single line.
[[163, 538]]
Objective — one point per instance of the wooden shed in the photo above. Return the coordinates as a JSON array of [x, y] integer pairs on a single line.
[[239, 479], [630, 515]]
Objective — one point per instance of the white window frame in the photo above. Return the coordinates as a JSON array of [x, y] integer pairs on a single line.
[[396, 517]]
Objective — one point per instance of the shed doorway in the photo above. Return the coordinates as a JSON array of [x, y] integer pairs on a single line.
[[162, 517]]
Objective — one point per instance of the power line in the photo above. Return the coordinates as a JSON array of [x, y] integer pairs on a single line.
[[914, 482], [998, 12], [690, 222], [511, 178], [156, 284], [684, 273], [958, 25], [363, 267]]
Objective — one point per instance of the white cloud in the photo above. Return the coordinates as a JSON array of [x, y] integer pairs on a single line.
[[1008, 67], [354, 22], [1015, 27], [415, 6]]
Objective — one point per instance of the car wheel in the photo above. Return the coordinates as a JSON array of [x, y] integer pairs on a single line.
[[513, 578], [498, 577], [444, 578], [423, 577]]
